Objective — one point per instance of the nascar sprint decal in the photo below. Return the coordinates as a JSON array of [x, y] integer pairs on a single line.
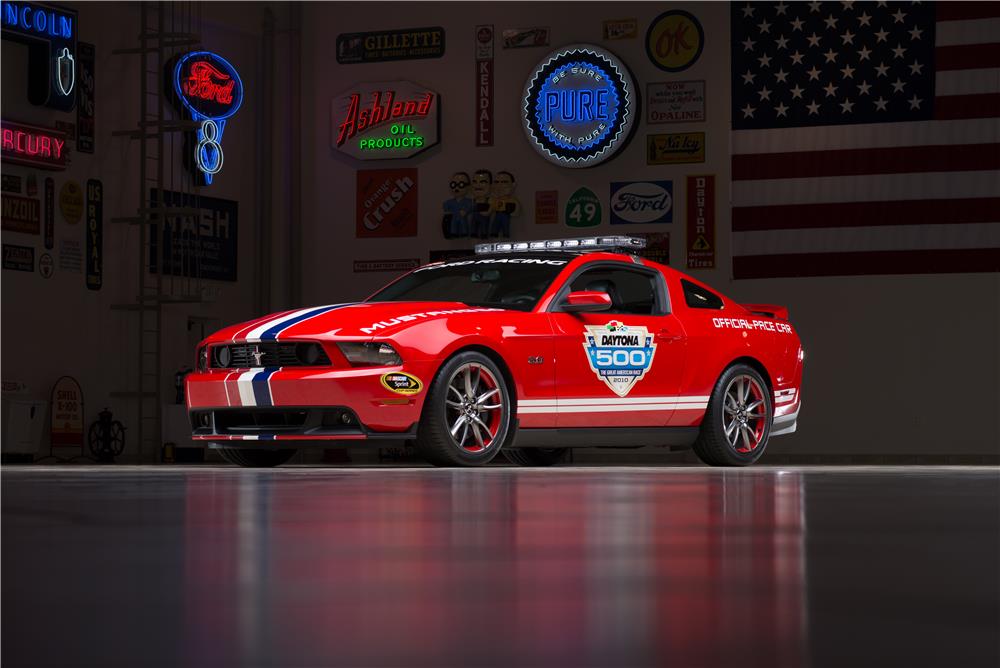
[[619, 354], [401, 383]]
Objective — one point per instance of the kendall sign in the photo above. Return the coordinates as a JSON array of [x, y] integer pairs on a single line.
[[385, 120]]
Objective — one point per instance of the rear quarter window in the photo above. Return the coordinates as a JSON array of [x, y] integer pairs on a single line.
[[696, 296]]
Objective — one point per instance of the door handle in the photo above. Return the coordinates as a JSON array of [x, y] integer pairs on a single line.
[[667, 336]]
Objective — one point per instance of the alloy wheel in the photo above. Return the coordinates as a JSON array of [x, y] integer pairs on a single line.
[[744, 413], [474, 407]]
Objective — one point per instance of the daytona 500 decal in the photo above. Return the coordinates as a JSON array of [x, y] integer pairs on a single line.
[[619, 354]]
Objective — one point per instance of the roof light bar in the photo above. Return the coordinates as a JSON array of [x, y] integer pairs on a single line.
[[576, 243]]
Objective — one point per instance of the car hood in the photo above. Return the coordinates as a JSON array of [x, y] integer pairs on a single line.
[[349, 321]]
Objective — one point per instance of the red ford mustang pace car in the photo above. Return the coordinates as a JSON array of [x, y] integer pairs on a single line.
[[530, 348]]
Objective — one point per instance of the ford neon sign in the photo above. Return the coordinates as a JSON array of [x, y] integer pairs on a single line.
[[210, 89]]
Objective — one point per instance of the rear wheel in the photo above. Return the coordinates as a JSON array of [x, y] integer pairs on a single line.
[[467, 414], [737, 423], [256, 458], [536, 456]]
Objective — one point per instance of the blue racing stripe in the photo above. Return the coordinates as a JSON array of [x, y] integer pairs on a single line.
[[261, 392], [272, 333]]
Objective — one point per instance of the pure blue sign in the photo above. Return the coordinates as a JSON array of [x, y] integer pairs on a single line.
[[579, 106]]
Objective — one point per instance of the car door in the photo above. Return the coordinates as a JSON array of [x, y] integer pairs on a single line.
[[621, 367]]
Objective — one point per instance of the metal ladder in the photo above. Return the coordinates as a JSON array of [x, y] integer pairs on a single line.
[[158, 283]]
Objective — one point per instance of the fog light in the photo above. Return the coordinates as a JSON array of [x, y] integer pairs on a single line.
[[223, 356], [346, 418]]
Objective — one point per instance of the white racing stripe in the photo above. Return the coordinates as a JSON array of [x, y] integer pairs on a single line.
[[245, 385], [605, 401], [609, 405], [253, 336]]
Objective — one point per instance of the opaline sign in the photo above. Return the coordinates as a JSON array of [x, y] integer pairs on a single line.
[[579, 106]]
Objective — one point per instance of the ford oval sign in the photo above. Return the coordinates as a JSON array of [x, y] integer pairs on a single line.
[[207, 85], [637, 202], [579, 106]]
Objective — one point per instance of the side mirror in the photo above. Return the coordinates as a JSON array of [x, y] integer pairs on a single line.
[[586, 301]]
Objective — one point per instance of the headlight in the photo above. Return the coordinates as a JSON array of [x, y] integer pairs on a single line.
[[370, 354]]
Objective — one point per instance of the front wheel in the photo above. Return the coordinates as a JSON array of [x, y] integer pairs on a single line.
[[467, 413], [737, 423], [257, 459]]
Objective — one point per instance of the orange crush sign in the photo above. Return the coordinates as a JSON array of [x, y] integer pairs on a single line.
[[67, 413], [674, 40]]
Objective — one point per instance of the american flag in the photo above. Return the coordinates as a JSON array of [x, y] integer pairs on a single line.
[[866, 138]]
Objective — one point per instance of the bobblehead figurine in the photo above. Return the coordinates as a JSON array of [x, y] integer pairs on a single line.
[[505, 204], [458, 209], [482, 183]]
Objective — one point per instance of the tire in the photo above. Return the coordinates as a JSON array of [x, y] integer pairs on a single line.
[[734, 432], [536, 456], [257, 459], [469, 397]]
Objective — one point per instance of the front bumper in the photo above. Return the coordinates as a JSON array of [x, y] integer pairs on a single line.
[[299, 404]]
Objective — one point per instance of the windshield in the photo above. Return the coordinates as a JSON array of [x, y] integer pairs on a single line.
[[503, 282]]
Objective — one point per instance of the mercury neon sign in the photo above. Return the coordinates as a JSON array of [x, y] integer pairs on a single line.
[[32, 145], [384, 120], [50, 34], [210, 89], [579, 106]]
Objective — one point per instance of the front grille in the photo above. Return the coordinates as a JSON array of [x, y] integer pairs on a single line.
[[271, 353], [271, 420]]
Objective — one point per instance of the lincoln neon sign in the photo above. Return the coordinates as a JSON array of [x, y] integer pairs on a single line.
[[579, 106], [50, 33], [210, 89]]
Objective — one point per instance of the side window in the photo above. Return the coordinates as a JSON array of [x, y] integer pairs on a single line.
[[632, 292], [698, 297]]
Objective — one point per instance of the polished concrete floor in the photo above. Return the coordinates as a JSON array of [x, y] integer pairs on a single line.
[[686, 566]]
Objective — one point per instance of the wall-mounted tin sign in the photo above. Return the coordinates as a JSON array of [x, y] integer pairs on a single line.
[[395, 266], [657, 246], [546, 207], [639, 202], [615, 29], [20, 214], [384, 120], [33, 146], [386, 203], [675, 102], [579, 106], [202, 244], [210, 89], [382, 45], [50, 213], [95, 234], [67, 413], [675, 149], [19, 258], [484, 85], [583, 209], [11, 183], [516, 38], [86, 120], [50, 33], [675, 40], [701, 221]]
